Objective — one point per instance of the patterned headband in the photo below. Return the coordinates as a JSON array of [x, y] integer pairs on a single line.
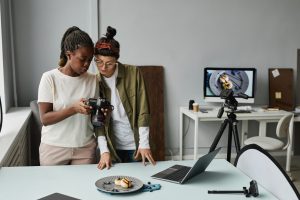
[[106, 45]]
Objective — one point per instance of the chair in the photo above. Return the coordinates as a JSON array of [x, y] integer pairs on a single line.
[[35, 133], [284, 129], [259, 165]]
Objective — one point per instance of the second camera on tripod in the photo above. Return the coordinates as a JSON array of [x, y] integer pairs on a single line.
[[230, 101]]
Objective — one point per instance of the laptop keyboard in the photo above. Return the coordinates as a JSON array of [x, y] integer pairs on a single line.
[[179, 174]]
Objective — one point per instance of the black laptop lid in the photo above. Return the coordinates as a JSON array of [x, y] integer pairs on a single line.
[[201, 164]]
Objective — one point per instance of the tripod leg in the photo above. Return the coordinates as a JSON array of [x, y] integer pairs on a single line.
[[218, 136], [236, 137], [229, 142]]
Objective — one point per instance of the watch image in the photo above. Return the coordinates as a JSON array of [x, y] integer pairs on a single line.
[[235, 80]]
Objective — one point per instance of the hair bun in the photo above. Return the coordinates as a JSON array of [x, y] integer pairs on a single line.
[[111, 32]]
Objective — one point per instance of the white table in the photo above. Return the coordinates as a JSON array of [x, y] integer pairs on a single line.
[[29, 183], [263, 117]]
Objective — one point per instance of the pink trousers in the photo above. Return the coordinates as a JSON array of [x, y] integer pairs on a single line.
[[53, 155]]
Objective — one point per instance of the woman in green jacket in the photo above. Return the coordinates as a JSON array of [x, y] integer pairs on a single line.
[[125, 138]]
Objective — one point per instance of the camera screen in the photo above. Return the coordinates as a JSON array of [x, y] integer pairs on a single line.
[[239, 80]]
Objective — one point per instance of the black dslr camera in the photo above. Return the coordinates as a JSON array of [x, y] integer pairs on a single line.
[[230, 101], [98, 104]]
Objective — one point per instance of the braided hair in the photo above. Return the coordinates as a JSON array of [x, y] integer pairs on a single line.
[[107, 45], [73, 39]]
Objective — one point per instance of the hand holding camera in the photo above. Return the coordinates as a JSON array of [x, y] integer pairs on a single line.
[[81, 107], [100, 110]]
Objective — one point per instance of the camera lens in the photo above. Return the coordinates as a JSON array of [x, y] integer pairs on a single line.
[[98, 119]]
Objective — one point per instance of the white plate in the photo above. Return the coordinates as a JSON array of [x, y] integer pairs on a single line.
[[107, 184]]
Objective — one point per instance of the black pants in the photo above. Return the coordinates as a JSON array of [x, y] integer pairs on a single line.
[[126, 156]]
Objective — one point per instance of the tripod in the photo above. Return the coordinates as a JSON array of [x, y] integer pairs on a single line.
[[232, 130]]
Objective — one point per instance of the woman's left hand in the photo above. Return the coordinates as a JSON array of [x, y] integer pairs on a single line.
[[146, 154], [105, 161]]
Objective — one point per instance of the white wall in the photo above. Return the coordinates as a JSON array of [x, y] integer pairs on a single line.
[[183, 36], [38, 28], [186, 36]]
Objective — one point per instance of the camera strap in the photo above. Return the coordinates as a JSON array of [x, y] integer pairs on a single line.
[[101, 94]]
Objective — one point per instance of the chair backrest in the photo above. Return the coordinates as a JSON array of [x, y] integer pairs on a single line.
[[285, 126], [259, 165], [35, 133], [36, 113]]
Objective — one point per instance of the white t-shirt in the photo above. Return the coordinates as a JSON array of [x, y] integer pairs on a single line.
[[62, 91], [124, 138]]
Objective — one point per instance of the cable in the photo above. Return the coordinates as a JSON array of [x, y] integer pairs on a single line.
[[1, 115]]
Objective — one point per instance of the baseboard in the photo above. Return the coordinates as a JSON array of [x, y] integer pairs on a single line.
[[191, 156], [221, 155]]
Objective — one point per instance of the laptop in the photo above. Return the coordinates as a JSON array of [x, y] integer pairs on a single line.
[[180, 173], [58, 196]]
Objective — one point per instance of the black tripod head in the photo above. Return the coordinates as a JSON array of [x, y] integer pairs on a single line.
[[252, 191], [230, 101]]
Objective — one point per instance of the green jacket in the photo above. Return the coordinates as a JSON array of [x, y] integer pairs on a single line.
[[131, 87]]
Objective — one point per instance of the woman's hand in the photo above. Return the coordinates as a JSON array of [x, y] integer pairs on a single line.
[[105, 161], [49, 117], [81, 107], [107, 113], [146, 154]]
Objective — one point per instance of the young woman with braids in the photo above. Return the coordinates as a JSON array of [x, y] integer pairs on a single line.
[[126, 136], [67, 133]]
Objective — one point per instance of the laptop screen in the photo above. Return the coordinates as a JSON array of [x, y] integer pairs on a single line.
[[201, 164]]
